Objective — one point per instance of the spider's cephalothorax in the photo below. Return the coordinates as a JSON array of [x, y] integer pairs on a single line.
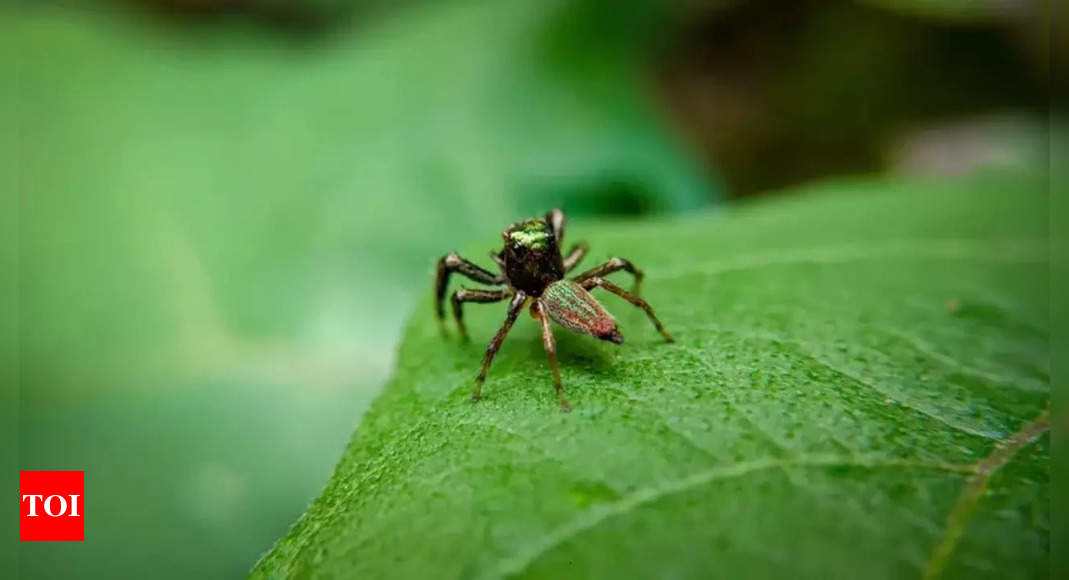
[[532, 268], [532, 258]]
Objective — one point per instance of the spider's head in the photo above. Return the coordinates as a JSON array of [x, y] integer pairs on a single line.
[[533, 236], [532, 258]]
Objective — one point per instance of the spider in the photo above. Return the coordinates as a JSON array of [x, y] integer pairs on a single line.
[[532, 268]]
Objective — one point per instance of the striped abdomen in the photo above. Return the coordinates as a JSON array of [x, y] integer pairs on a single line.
[[575, 309]]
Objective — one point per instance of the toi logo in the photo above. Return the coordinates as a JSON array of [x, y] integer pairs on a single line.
[[51, 505]]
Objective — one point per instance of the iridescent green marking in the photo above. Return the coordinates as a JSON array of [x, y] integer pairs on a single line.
[[571, 297], [533, 234]]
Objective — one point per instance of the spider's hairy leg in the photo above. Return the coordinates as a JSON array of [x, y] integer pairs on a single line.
[[613, 265], [473, 295], [452, 262], [515, 306], [575, 255], [555, 219], [599, 282], [551, 352]]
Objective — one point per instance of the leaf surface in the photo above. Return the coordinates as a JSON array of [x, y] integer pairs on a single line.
[[858, 390]]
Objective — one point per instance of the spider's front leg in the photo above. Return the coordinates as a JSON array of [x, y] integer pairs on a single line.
[[613, 265], [555, 219], [450, 263], [574, 256], [473, 295], [598, 282], [551, 352], [495, 343]]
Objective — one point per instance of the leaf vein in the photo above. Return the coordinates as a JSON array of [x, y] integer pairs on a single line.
[[595, 516], [923, 347], [1002, 453], [1008, 251], [905, 403]]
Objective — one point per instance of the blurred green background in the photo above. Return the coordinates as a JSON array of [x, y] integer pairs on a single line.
[[225, 210]]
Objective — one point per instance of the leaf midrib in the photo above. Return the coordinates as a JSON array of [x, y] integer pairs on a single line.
[[593, 517]]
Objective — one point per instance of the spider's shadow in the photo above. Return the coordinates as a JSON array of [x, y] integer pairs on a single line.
[[576, 352]]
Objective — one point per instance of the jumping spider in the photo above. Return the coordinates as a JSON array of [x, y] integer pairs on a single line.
[[532, 268]]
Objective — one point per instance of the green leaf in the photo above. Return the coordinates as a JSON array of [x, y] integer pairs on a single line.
[[849, 362]]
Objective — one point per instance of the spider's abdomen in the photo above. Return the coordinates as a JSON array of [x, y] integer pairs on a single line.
[[571, 306]]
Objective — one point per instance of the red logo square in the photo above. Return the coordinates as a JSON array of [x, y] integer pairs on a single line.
[[51, 506]]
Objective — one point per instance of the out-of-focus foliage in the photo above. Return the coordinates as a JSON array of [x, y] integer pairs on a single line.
[[222, 227], [9, 330], [853, 366], [776, 93], [959, 11]]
